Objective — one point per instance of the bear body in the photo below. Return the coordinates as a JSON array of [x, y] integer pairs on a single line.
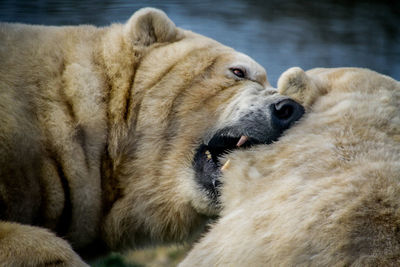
[[111, 137], [328, 192]]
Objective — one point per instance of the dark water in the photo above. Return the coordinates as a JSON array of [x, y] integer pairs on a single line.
[[278, 34]]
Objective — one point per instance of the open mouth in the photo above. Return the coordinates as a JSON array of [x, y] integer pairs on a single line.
[[207, 160], [263, 127]]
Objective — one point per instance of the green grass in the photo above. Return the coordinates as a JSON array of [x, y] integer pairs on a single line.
[[114, 260]]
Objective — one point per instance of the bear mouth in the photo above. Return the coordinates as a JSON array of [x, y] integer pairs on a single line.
[[209, 161], [259, 128]]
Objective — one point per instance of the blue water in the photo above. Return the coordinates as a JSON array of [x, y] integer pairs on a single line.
[[278, 34]]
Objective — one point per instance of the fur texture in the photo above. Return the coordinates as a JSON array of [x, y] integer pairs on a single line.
[[328, 192], [98, 131]]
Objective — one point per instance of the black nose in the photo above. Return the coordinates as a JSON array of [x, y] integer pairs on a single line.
[[285, 113]]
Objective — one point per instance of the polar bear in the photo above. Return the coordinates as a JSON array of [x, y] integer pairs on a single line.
[[112, 138], [328, 192]]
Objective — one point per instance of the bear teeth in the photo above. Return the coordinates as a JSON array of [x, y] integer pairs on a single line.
[[226, 165], [208, 154], [243, 139]]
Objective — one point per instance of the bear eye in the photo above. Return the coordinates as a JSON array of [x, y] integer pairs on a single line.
[[238, 72]]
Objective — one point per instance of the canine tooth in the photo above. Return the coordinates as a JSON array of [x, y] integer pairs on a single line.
[[208, 154], [243, 139], [226, 165]]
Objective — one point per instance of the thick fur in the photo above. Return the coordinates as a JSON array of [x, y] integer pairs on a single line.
[[328, 192], [98, 128]]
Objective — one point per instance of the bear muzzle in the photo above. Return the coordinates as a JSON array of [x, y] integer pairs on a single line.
[[261, 126]]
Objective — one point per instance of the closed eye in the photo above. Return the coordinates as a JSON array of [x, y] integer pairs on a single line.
[[240, 73]]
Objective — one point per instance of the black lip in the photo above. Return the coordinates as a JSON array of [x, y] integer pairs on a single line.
[[222, 143], [208, 168], [207, 172]]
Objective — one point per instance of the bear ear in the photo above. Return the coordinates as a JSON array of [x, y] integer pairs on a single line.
[[148, 26], [303, 88], [292, 81]]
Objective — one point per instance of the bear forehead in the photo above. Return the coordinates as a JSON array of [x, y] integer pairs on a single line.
[[231, 58], [202, 49]]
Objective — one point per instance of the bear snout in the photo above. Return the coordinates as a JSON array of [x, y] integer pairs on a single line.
[[284, 113]]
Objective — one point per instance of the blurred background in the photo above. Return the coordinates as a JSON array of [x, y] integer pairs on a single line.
[[278, 34]]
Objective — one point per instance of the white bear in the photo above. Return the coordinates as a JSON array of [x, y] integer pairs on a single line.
[[328, 192], [113, 137]]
